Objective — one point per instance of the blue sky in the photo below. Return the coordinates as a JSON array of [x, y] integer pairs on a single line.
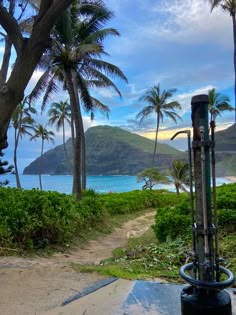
[[179, 44]]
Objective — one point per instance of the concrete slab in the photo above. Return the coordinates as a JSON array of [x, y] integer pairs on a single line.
[[123, 297]]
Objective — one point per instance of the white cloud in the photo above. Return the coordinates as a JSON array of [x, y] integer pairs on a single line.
[[192, 22], [185, 98]]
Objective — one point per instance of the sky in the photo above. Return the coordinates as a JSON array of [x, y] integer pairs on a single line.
[[174, 43]]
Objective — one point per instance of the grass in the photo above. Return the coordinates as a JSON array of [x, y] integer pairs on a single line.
[[146, 258]]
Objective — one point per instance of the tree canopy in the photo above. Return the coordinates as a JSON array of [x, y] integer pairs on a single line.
[[28, 48]]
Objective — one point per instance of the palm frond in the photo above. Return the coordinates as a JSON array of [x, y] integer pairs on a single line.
[[40, 87], [51, 89], [100, 106], [107, 68]]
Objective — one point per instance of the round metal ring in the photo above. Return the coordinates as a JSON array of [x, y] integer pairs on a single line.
[[206, 284]]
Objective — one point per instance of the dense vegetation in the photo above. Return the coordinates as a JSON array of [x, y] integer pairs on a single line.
[[32, 220], [175, 222], [36, 219], [163, 249]]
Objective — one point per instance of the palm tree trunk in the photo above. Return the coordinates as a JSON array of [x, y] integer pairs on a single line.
[[40, 166], [84, 168], [65, 150], [177, 189], [83, 149], [76, 190], [155, 150], [16, 136], [72, 130], [234, 34], [155, 145]]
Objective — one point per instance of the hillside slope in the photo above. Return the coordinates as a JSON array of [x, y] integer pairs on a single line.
[[110, 151]]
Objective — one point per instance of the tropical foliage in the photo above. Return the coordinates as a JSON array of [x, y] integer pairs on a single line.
[[22, 123], [15, 75], [41, 132], [218, 103], [76, 59], [59, 114], [230, 7], [179, 174], [159, 105]]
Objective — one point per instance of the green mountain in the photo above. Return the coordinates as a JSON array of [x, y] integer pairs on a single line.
[[226, 139], [114, 151], [226, 152], [110, 151]]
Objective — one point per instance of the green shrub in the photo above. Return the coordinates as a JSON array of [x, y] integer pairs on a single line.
[[227, 220], [35, 219], [32, 219], [129, 202], [172, 222]]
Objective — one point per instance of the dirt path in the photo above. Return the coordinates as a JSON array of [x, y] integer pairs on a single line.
[[32, 286]]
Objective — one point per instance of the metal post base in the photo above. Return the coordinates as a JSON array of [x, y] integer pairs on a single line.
[[204, 302]]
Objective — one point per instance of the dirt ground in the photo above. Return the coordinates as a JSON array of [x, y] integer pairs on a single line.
[[33, 286]]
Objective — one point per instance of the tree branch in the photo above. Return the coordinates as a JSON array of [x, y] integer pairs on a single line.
[[12, 29], [5, 61], [50, 11]]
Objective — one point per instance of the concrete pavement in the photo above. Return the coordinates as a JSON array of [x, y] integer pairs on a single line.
[[123, 297]]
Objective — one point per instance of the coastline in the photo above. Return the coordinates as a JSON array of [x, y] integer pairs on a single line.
[[231, 178]]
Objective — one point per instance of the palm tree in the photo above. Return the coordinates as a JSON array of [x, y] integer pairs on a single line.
[[59, 113], [22, 122], [41, 132], [158, 104], [180, 175], [218, 103], [76, 59], [230, 7]]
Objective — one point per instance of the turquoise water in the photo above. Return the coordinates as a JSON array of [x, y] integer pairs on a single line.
[[102, 184]]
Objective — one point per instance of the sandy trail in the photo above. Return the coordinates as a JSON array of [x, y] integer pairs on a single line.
[[33, 286]]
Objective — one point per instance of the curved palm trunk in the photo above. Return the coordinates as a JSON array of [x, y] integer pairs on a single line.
[[76, 190], [40, 166], [64, 146], [83, 148], [16, 136], [155, 145], [234, 34], [155, 149], [84, 167]]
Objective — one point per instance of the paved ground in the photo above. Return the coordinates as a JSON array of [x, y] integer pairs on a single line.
[[123, 297]]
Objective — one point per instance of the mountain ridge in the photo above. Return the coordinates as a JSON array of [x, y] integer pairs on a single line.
[[110, 151], [115, 151]]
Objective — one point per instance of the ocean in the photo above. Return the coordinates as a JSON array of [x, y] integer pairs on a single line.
[[101, 184]]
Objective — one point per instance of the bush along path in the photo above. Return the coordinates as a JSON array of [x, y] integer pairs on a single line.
[[92, 252], [35, 285]]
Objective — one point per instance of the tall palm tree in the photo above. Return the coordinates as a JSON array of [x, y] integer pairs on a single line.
[[41, 132], [22, 122], [218, 103], [76, 59], [180, 175], [230, 7], [59, 113], [158, 104]]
